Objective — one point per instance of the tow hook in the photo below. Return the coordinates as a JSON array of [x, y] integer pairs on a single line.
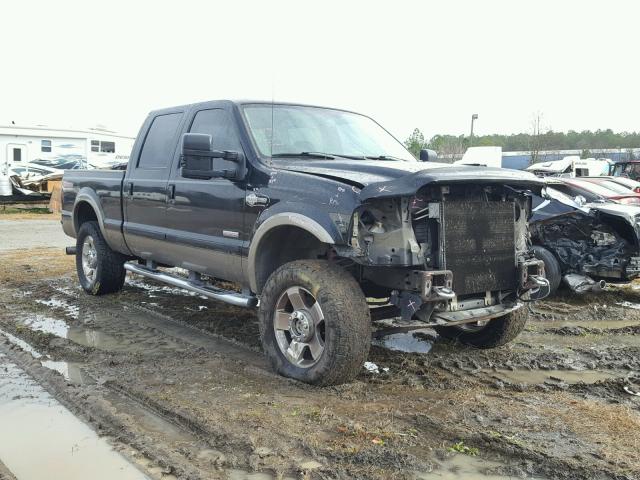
[[537, 281], [443, 292]]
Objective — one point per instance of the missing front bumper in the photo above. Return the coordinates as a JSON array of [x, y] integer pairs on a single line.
[[417, 293], [482, 314]]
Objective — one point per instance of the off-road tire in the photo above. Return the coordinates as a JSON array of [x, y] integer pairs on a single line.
[[347, 321], [110, 272], [551, 271], [496, 333]]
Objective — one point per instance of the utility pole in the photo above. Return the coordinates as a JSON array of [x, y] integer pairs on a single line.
[[474, 117]]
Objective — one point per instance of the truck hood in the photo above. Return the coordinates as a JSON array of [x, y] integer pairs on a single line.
[[394, 178]]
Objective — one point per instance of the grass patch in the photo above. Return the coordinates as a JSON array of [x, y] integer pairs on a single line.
[[34, 210], [460, 447]]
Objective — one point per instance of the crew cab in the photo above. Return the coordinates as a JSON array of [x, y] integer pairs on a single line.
[[310, 211]]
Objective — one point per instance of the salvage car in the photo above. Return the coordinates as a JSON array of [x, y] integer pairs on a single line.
[[584, 242], [310, 211], [615, 182], [589, 191]]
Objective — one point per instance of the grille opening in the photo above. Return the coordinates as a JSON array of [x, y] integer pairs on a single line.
[[479, 245]]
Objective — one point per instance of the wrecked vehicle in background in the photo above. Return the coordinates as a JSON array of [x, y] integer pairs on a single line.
[[311, 211], [583, 242]]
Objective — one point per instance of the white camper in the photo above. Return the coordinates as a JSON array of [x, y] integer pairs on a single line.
[[482, 156], [562, 167], [591, 167], [20, 145], [572, 166]]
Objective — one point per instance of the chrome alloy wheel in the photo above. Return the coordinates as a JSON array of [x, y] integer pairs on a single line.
[[89, 258], [299, 327]]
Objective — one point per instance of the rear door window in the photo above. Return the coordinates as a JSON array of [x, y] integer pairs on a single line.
[[160, 143]]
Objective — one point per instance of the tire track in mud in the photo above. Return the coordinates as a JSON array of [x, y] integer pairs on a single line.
[[131, 418], [447, 369]]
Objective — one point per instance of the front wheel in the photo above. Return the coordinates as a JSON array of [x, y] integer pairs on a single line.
[[314, 323], [100, 269], [552, 271], [494, 333]]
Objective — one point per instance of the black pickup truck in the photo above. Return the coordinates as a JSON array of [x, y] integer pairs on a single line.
[[313, 213]]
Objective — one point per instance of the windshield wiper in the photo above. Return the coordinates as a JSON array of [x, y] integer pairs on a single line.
[[384, 157], [325, 156]]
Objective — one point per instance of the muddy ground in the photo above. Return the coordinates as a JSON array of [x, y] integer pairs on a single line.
[[178, 384]]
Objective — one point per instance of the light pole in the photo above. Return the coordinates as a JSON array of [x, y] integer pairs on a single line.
[[474, 117]]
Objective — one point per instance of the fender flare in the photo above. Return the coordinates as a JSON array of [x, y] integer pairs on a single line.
[[86, 195], [282, 219]]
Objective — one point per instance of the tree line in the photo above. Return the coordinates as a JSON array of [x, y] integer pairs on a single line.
[[536, 141]]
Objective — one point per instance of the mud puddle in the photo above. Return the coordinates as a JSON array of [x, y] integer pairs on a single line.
[[86, 337], [551, 340], [416, 341], [33, 421], [71, 371], [537, 377], [459, 467]]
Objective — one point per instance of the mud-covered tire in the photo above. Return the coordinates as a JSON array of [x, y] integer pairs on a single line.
[[495, 333], [551, 270], [109, 273], [347, 322]]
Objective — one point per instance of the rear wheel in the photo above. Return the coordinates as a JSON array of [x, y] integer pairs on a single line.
[[493, 333], [314, 322], [100, 269]]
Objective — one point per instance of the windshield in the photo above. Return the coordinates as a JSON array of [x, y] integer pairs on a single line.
[[287, 130]]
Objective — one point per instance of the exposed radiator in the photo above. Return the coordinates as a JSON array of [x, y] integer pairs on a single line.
[[479, 245]]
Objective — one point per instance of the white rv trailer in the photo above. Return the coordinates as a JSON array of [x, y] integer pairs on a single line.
[[482, 156], [572, 166], [20, 145], [591, 167]]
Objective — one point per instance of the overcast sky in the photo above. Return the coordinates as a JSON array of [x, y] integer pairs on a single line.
[[408, 64]]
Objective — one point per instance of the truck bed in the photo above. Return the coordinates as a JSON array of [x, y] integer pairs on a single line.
[[103, 190]]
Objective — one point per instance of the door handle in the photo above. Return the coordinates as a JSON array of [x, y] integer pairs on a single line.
[[129, 189], [171, 192]]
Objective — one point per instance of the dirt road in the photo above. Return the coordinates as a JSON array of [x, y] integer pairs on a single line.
[[177, 384], [25, 232]]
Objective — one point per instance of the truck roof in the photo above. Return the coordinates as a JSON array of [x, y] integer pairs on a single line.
[[239, 102]]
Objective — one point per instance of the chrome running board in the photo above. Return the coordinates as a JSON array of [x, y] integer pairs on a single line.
[[227, 296]]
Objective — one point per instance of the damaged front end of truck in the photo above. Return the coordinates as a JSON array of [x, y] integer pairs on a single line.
[[590, 242], [446, 246]]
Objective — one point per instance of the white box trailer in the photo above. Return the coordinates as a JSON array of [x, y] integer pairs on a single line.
[[591, 167], [20, 145]]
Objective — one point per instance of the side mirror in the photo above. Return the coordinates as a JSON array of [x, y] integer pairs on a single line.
[[427, 155], [198, 159]]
